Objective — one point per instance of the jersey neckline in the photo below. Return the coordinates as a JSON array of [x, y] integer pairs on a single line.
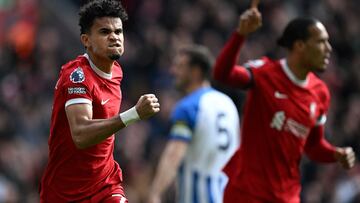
[[291, 76], [97, 70]]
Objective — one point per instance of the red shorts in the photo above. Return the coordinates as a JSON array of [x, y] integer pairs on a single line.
[[114, 198], [233, 194], [111, 194]]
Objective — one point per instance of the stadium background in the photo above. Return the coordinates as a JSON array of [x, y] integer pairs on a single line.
[[38, 36]]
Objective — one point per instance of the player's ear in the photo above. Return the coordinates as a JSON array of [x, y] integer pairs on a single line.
[[197, 72], [85, 40], [299, 45]]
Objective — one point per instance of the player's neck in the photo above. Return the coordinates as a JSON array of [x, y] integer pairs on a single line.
[[296, 67], [102, 64], [194, 86]]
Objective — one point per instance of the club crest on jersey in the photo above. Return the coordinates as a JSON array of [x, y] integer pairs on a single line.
[[77, 76]]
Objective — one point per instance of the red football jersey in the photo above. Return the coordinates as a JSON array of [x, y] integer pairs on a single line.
[[73, 174], [282, 119], [279, 114]]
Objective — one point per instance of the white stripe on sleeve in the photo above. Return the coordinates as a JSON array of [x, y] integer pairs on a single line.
[[78, 101]]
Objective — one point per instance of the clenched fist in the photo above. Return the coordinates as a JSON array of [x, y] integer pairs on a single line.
[[345, 156], [250, 20], [147, 106]]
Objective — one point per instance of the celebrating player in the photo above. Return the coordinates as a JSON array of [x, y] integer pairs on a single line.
[[203, 137], [85, 116], [284, 114]]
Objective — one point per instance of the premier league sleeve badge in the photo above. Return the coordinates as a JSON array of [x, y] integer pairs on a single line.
[[77, 76]]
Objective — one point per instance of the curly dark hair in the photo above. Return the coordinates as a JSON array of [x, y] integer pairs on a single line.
[[97, 9]]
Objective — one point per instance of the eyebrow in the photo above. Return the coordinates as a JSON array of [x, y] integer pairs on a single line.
[[104, 28], [109, 29]]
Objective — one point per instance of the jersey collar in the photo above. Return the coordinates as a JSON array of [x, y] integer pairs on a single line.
[[97, 70], [291, 76]]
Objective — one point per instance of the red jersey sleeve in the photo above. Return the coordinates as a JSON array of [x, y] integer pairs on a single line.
[[317, 148], [324, 96], [75, 86], [226, 71]]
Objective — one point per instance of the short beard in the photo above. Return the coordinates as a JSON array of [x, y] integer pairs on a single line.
[[114, 57]]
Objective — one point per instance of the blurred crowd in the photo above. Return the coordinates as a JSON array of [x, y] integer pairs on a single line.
[[38, 36]]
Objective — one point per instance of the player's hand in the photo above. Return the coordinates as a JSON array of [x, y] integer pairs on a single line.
[[250, 20], [345, 156], [147, 106]]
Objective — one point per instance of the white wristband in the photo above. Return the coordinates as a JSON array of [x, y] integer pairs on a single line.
[[129, 116]]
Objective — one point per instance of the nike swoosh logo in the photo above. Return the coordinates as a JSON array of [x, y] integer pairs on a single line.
[[279, 95], [104, 102]]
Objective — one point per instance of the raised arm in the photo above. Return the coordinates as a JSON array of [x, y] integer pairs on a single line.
[[226, 71]]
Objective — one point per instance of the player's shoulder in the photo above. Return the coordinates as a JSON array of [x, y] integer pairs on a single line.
[[187, 101], [215, 102], [216, 95], [318, 86], [196, 95], [79, 62], [75, 71], [182, 109], [191, 101], [264, 67], [259, 63]]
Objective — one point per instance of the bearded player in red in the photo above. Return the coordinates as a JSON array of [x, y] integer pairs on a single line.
[[81, 166], [284, 113]]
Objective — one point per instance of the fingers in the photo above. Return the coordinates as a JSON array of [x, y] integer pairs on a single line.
[[349, 157], [155, 107], [250, 20], [255, 18], [147, 96], [254, 3], [152, 101], [252, 17]]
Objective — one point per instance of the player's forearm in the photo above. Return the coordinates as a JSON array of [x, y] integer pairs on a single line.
[[317, 148], [227, 58], [168, 166], [324, 152], [165, 175], [89, 132]]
